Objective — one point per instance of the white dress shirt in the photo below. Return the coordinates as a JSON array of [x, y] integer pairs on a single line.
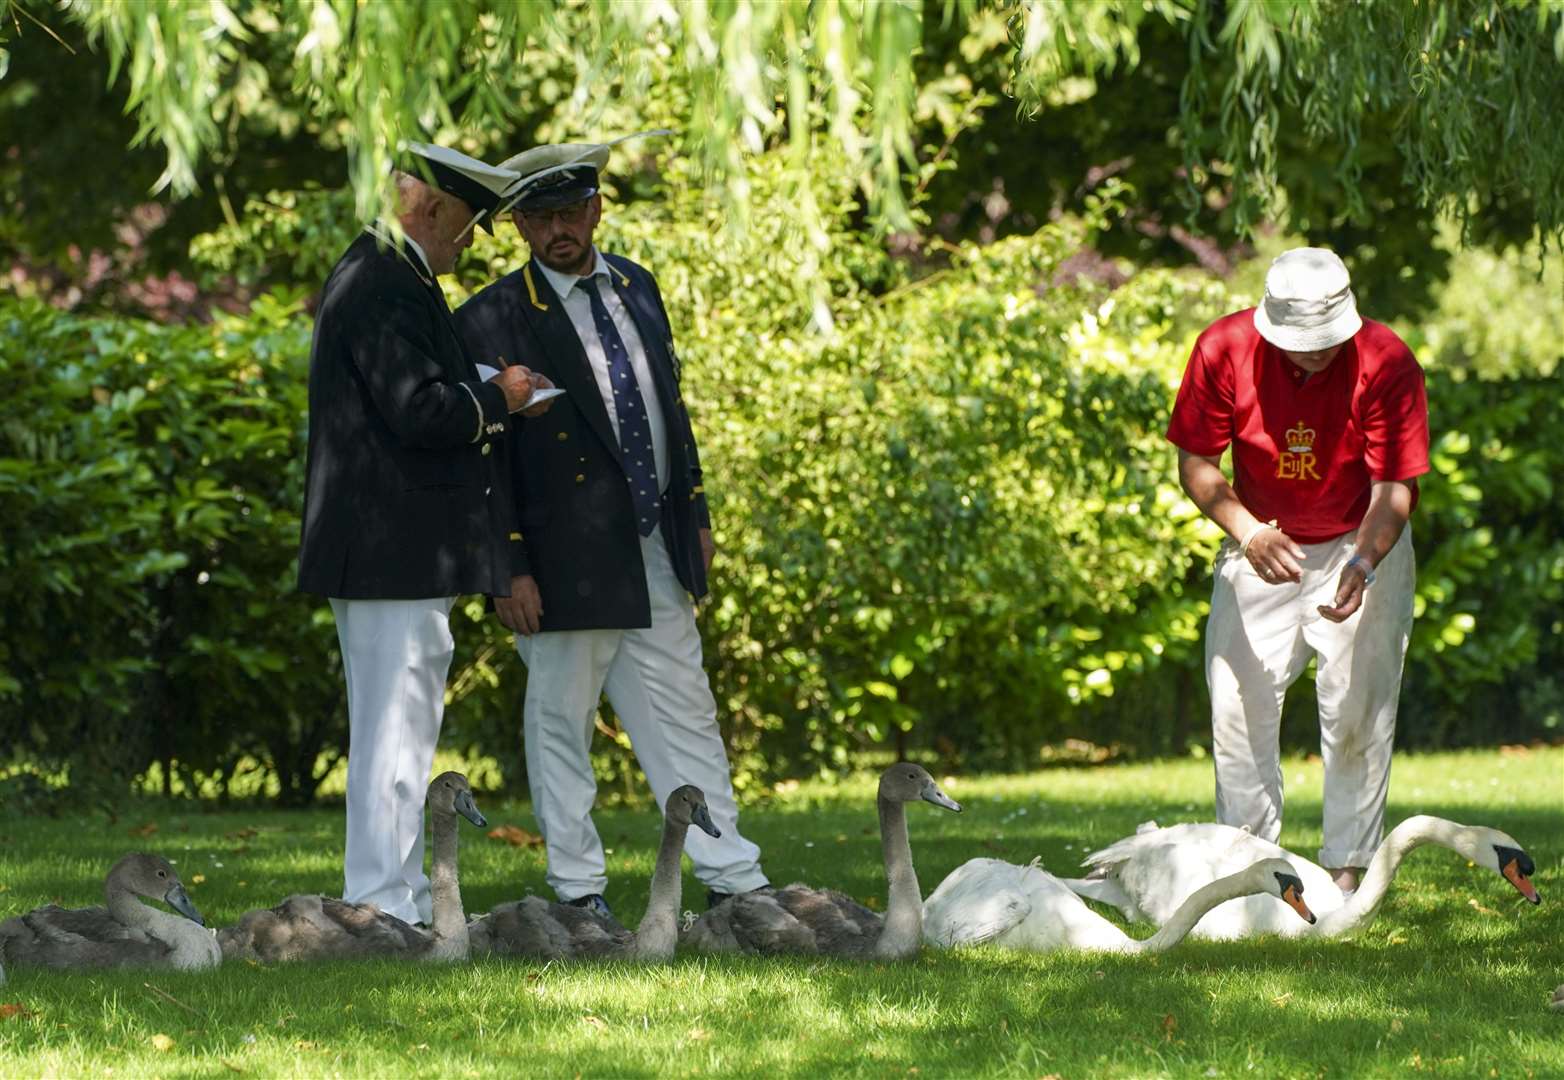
[[579, 308]]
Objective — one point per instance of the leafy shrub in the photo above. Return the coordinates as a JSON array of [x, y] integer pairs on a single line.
[[150, 480]]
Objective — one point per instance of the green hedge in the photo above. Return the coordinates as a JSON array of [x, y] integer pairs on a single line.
[[150, 480], [948, 523]]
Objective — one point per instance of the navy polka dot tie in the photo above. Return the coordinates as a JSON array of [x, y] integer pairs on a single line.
[[635, 430]]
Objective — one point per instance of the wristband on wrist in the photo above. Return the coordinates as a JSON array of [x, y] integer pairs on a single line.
[[1362, 564], [1243, 545]]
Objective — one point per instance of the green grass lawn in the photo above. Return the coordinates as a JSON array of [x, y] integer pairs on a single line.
[[1451, 979]]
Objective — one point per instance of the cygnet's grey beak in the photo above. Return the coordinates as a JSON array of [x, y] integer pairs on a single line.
[[469, 809], [701, 817], [932, 793], [179, 900]]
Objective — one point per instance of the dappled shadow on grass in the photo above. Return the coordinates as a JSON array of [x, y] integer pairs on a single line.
[[1289, 1008]]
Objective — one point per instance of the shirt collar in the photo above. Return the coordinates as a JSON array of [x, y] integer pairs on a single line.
[[563, 283], [379, 230], [419, 251]]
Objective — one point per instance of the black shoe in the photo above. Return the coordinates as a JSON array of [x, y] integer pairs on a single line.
[[594, 903]]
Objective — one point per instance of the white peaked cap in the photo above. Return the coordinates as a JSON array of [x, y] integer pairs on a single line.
[[560, 173], [476, 183]]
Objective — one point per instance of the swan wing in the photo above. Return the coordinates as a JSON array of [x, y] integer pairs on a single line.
[[590, 934], [1105, 890], [838, 924], [1159, 868], [978, 901], [520, 928], [371, 930], [762, 923], [309, 927], [710, 932], [542, 929], [77, 938]]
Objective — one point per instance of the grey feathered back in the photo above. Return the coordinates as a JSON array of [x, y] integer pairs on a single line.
[[75, 938], [320, 928], [535, 927], [794, 919]]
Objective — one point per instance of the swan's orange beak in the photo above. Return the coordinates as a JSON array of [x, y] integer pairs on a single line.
[[1516, 876], [1293, 894]]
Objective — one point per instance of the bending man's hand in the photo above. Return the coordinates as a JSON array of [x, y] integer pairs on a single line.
[[708, 548], [1349, 594], [1275, 557], [522, 610]]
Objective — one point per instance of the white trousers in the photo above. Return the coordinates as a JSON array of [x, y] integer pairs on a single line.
[[1259, 639], [395, 655], [656, 682]]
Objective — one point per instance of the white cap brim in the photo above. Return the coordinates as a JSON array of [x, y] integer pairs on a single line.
[[1340, 327]]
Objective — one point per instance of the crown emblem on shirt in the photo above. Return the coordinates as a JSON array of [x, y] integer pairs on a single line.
[[1300, 439]]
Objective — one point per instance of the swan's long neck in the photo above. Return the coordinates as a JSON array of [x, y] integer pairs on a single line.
[[445, 892], [1361, 905], [1190, 912], [903, 902], [128, 910], [659, 929]]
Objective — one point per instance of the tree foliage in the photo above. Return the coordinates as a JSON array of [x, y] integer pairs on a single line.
[[1463, 90]]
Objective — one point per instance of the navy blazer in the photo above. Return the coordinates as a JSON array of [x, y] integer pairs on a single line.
[[572, 498], [401, 496]]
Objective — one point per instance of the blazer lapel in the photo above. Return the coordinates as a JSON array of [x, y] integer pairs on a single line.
[[436, 296], [654, 338], [547, 312], [449, 321]]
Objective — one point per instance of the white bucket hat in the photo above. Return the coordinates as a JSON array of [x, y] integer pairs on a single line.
[[1308, 302]]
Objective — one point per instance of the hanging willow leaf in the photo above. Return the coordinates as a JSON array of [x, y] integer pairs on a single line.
[[1469, 87]]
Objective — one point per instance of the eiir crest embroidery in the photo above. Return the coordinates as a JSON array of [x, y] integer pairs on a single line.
[[1297, 461]]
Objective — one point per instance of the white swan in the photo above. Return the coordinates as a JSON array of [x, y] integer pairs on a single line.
[[1025, 907], [308, 927], [1146, 875], [126, 933], [799, 918], [541, 928]]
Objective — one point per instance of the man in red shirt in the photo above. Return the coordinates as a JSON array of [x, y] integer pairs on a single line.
[[1328, 423]]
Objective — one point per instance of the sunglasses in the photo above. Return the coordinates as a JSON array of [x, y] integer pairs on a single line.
[[574, 214]]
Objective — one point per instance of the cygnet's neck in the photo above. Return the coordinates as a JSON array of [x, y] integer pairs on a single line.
[[658, 931], [445, 894], [128, 909], [903, 901]]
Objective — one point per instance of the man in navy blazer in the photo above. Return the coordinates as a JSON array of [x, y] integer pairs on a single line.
[[402, 511], [614, 523]]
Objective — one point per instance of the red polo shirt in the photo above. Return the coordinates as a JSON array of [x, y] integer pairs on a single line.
[[1306, 448]]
